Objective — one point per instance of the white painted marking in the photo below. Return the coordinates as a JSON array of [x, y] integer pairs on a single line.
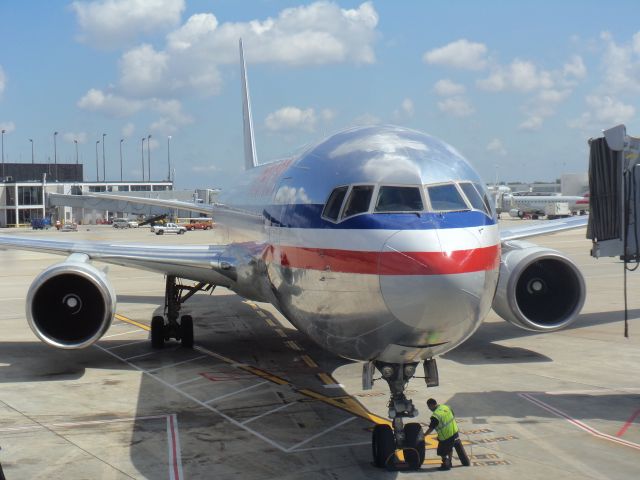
[[175, 456], [578, 423], [333, 385], [79, 424], [191, 380], [281, 407], [122, 333], [326, 447], [313, 437], [142, 355], [234, 393], [195, 400], [600, 391], [176, 364], [127, 344]]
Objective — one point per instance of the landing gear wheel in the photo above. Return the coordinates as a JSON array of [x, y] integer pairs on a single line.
[[462, 454], [414, 445], [186, 331], [157, 332], [384, 445]]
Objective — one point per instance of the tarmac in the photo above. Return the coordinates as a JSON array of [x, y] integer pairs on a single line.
[[255, 399]]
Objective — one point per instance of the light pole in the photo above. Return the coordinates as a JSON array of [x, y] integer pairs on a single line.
[[121, 140], [97, 171], [55, 155], [31, 140], [104, 168], [169, 157], [149, 156], [142, 152], [3, 132], [76, 142]]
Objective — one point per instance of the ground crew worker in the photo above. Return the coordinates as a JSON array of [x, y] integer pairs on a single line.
[[444, 423]]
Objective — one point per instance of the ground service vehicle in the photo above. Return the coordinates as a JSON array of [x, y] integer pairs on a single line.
[[168, 228]]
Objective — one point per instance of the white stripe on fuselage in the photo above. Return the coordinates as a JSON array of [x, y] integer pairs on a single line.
[[372, 240]]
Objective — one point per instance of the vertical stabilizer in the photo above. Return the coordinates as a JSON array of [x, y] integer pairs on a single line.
[[250, 158]]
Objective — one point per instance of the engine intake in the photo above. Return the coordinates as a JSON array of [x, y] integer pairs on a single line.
[[539, 289], [70, 304]]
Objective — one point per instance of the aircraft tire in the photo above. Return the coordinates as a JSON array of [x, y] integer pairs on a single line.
[[462, 453], [186, 331], [157, 332], [383, 445], [414, 445]]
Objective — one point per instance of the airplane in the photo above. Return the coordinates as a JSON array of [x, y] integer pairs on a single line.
[[379, 243], [535, 204]]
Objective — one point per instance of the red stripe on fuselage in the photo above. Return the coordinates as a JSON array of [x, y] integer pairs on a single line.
[[386, 263]]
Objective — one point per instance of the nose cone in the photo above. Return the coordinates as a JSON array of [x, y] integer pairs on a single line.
[[440, 295]]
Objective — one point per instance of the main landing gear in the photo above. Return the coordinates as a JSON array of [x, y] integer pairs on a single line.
[[166, 327], [406, 437]]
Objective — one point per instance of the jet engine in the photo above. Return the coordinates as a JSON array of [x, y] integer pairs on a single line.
[[70, 304], [539, 289]]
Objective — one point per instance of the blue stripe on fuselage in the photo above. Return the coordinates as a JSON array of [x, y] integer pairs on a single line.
[[309, 216]]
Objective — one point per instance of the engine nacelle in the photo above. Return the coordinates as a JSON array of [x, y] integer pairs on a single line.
[[539, 289], [71, 304], [515, 213]]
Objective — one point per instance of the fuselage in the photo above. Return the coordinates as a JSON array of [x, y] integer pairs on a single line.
[[379, 243]]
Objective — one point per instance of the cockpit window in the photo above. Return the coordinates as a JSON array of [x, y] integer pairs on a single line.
[[399, 199], [446, 197], [358, 201], [474, 197], [332, 207]]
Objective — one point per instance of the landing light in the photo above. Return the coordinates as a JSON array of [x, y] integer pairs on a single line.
[[409, 370], [387, 371]]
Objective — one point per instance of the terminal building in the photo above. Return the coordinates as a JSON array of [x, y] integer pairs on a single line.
[[23, 189]]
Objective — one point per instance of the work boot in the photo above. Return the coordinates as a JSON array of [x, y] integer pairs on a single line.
[[446, 463]]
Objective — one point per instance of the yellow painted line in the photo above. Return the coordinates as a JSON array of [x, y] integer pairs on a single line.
[[122, 318], [309, 361], [326, 379], [270, 322], [281, 333], [293, 345]]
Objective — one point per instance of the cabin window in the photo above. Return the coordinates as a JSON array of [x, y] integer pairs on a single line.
[[332, 207], [358, 201], [446, 197], [474, 197], [399, 199]]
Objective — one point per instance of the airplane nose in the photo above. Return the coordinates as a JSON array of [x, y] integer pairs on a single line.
[[428, 288]]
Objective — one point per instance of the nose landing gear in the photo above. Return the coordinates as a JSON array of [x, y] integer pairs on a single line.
[[409, 438]]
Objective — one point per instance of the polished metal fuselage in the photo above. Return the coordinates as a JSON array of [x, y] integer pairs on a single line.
[[330, 279]]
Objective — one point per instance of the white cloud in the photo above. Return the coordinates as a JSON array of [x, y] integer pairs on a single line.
[[143, 71], [128, 130], [610, 111], [621, 65], [288, 195], [171, 117], [3, 81], [327, 115], [81, 137], [544, 105], [291, 118], [520, 75], [456, 107], [114, 23], [447, 88], [405, 111], [459, 54], [8, 127], [496, 146], [532, 123], [575, 68], [110, 104]]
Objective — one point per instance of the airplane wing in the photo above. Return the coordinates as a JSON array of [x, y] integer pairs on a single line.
[[210, 263], [92, 199], [544, 228]]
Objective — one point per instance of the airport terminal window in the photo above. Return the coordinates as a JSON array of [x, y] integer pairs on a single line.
[[11, 198], [358, 201], [29, 195], [332, 207], [446, 197], [399, 199], [474, 197]]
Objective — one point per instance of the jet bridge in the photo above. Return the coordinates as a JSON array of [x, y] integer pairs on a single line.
[[614, 186]]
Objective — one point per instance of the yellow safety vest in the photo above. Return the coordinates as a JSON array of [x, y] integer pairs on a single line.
[[447, 426]]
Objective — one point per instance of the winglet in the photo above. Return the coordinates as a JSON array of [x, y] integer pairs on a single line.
[[250, 158]]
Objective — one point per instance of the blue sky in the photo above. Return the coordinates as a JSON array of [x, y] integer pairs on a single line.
[[517, 87]]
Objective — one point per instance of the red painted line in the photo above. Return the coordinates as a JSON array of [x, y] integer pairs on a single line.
[[624, 428], [174, 452], [578, 423], [387, 262]]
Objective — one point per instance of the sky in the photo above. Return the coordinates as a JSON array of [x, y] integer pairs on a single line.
[[517, 87]]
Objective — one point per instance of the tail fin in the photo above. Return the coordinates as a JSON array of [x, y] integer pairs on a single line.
[[250, 158]]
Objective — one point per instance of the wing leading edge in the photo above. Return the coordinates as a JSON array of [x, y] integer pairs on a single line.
[[545, 228]]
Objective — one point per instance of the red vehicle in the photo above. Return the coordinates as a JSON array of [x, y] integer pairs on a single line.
[[197, 224]]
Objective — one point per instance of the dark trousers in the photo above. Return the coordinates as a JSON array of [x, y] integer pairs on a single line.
[[445, 448]]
